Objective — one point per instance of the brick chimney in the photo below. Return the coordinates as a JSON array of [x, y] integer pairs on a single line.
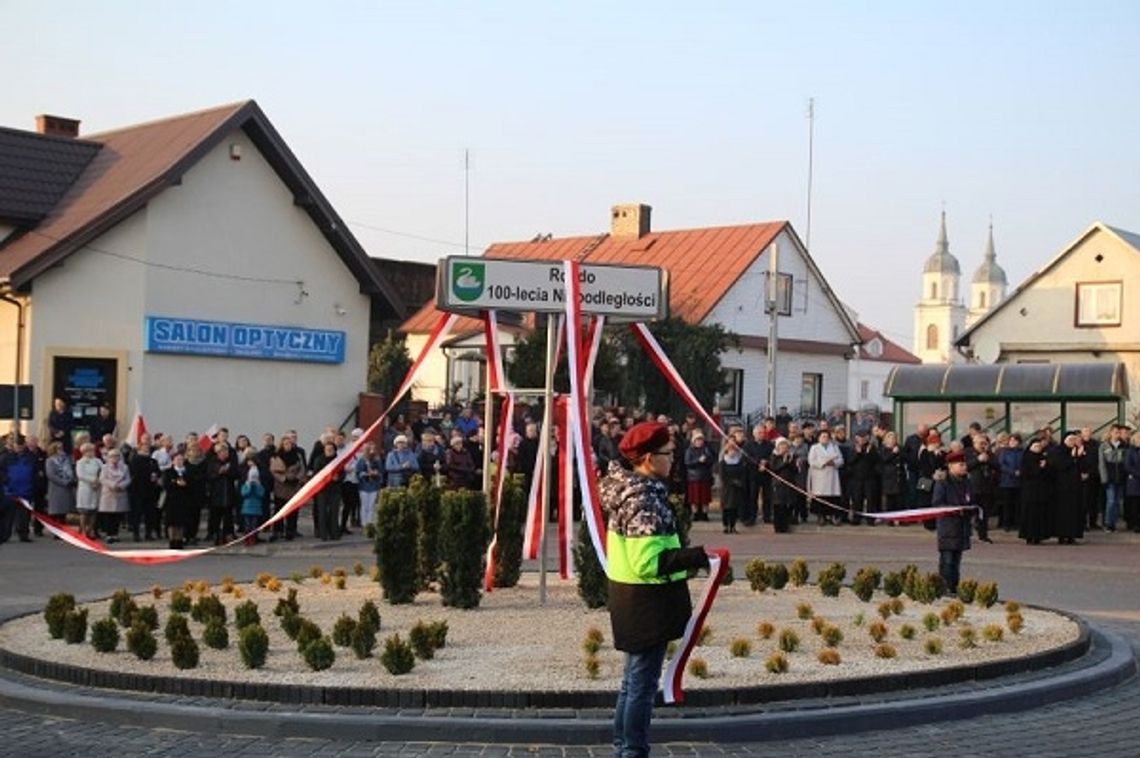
[[57, 126], [629, 221]]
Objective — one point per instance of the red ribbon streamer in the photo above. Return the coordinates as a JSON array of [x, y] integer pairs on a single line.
[[718, 567]]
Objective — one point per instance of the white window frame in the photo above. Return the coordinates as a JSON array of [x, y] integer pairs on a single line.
[[1098, 304]]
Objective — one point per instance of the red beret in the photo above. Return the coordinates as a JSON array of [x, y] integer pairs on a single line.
[[643, 438], [956, 457], [933, 437]]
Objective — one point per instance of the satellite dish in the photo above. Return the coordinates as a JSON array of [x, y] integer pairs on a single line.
[[987, 350]]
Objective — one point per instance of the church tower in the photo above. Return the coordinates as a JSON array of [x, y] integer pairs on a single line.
[[988, 286], [939, 316]]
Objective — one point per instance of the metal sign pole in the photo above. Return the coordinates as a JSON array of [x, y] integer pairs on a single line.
[[544, 452], [489, 435]]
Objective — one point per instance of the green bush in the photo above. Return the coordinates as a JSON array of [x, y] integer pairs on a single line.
[[141, 641], [966, 590], [307, 631], [291, 624], [987, 594], [463, 535], [122, 606], [756, 572], [185, 653], [176, 626], [438, 630], [179, 602], [789, 641], [509, 534], [395, 546], [593, 586], [253, 645], [397, 657], [893, 584], [798, 575], [421, 640], [931, 621], [75, 626], [866, 581], [343, 629], [288, 604], [246, 614], [105, 635], [424, 498], [778, 575], [363, 641], [830, 580], [832, 635], [729, 575], [208, 607], [147, 615], [55, 613], [369, 615], [215, 635], [319, 654]]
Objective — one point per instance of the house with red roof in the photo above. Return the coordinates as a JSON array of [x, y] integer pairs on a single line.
[[871, 367], [190, 265], [717, 275]]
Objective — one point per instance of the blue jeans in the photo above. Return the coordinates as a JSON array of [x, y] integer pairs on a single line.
[[1113, 493], [635, 702]]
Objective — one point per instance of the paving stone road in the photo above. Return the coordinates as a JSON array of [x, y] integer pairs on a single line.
[[1099, 579]]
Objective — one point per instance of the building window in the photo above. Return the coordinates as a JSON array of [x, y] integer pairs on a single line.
[[934, 290], [784, 285], [811, 395], [981, 300], [864, 389], [1099, 303], [932, 337], [730, 399]]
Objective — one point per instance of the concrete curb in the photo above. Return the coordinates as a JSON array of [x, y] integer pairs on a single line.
[[1115, 665]]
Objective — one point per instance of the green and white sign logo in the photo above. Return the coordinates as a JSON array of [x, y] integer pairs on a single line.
[[467, 280]]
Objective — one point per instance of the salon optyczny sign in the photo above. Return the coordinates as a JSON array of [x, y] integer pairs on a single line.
[[471, 284]]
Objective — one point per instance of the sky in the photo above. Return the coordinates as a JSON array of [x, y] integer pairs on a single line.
[[1024, 112]]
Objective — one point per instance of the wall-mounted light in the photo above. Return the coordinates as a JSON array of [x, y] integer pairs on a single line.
[[235, 151]]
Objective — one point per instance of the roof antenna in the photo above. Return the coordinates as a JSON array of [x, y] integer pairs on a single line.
[[811, 156]]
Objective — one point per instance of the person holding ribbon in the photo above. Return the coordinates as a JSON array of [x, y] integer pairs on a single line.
[[648, 571], [954, 528]]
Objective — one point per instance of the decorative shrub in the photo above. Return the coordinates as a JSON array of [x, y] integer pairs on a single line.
[[885, 650], [176, 626], [893, 584], [777, 663], [867, 580], [363, 640], [593, 586], [287, 604], [1015, 622], [397, 657], [740, 648], [75, 626], [262, 579], [147, 615], [105, 635], [273, 585], [993, 632], [830, 579], [829, 656], [227, 585], [463, 535], [307, 631], [593, 666], [798, 574], [818, 623], [343, 629], [319, 654], [420, 639], [778, 575], [246, 614], [326, 579], [208, 607], [316, 571], [141, 641], [297, 577], [55, 613], [291, 624], [340, 571], [858, 620], [215, 634], [374, 572], [729, 575], [395, 545], [699, 668], [987, 594], [910, 576], [757, 575], [509, 535], [931, 621], [789, 641], [369, 615], [179, 602], [765, 629], [877, 630], [438, 631], [202, 587], [832, 635], [1012, 606], [340, 582], [121, 607], [705, 635], [967, 637], [156, 591], [932, 646], [885, 609], [966, 589], [253, 645], [592, 643], [804, 611], [907, 632], [185, 653], [425, 504], [238, 593], [358, 568]]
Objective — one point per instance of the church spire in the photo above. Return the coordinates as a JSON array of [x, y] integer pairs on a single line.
[[991, 257], [941, 261], [990, 272], [942, 247]]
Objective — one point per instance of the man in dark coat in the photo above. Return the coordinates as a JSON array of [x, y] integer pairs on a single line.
[[953, 530], [756, 453], [912, 446]]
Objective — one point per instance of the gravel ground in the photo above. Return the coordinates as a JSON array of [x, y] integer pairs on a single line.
[[510, 642]]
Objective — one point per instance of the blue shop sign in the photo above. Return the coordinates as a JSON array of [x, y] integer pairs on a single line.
[[166, 334]]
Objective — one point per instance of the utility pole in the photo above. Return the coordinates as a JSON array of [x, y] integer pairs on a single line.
[[811, 157], [772, 300], [466, 201]]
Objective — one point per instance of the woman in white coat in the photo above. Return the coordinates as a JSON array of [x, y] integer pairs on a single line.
[[87, 470], [824, 462], [114, 479]]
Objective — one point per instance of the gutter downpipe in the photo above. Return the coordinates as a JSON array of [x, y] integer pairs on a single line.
[[6, 296]]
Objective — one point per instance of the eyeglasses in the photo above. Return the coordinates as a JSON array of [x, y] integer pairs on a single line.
[[663, 452]]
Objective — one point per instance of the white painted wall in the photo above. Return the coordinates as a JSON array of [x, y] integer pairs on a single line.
[[234, 217], [875, 373]]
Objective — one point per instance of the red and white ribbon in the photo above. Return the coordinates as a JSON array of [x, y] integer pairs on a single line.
[[657, 354], [307, 491], [494, 352], [508, 412], [718, 567], [594, 343], [565, 489]]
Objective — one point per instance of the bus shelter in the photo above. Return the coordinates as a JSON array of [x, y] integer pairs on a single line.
[[1008, 397]]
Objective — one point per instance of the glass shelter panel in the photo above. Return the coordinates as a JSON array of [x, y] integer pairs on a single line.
[[991, 415], [931, 414], [1027, 418], [1097, 416]]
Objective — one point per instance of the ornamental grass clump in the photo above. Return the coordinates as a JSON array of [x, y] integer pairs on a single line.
[[215, 634], [798, 573], [897, 605], [829, 657], [184, 652], [315, 571], [319, 654], [893, 584], [227, 585], [397, 657], [967, 637], [176, 626], [420, 638], [777, 663], [932, 646], [262, 579], [832, 635], [358, 568], [246, 614], [342, 630], [789, 641], [55, 613], [326, 579], [756, 572], [253, 645], [907, 632], [1012, 606], [967, 588], [987, 594], [740, 648], [804, 611], [75, 626], [858, 619], [1015, 622], [830, 579], [297, 577], [993, 632], [931, 621], [156, 592], [593, 666], [885, 609], [699, 668], [105, 635], [877, 630], [274, 585], [818, 624], [592, 643], [340, 583], [705, 636], [885, 650], [866, 581], [141, 641], [765, 629]]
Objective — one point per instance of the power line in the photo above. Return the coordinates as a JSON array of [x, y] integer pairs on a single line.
[[409, 235]]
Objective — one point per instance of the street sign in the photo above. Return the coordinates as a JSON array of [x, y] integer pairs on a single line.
[[636, 293]]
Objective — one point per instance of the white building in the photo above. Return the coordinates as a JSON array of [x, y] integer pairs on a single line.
[[189, 265], [871, 367], [717, 276]]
